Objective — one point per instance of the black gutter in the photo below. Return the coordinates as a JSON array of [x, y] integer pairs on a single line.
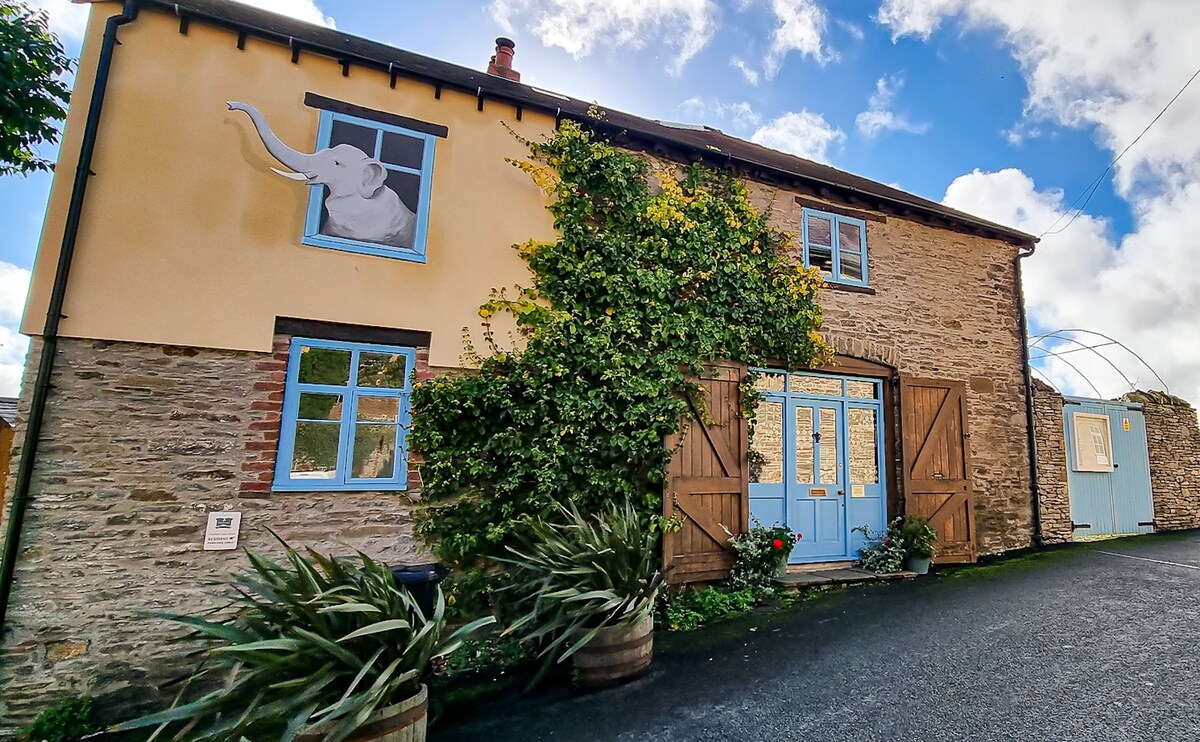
[[1035, 495], [41, 384]]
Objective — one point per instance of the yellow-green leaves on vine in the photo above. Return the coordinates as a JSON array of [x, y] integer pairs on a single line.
[[654, 274]]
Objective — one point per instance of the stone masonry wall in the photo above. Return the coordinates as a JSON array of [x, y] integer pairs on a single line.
[[942, 305], [139, 443], [1052, 465], [1173, 436]]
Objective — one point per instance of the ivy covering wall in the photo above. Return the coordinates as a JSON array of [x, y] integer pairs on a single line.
[[654, 273]]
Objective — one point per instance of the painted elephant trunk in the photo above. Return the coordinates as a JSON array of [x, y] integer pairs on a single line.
[[298, 161]]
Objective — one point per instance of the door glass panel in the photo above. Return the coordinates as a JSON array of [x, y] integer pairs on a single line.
[[768, 382], [766, 450], [822, 385], [374, 451], [861, 389], [829, 447], [804, 445], [864, 451], [315, 452]]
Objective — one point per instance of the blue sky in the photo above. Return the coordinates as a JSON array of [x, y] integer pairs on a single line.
[[1008, 110]]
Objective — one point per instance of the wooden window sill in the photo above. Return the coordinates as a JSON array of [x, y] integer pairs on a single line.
[[849, 289]]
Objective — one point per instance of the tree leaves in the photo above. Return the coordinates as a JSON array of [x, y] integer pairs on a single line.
[[32, 94]]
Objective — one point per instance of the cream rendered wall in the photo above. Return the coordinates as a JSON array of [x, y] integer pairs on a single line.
[[188, 238]]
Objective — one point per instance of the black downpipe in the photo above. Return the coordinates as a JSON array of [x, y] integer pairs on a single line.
[[1036, 500], [41, 384]]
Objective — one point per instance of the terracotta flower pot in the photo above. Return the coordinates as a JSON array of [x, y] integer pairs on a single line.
[[616, 655], [400, 722]]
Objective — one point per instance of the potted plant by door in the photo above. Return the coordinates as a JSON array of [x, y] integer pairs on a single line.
[[762, 554], [585, 588], [919, 542], [317, 649]]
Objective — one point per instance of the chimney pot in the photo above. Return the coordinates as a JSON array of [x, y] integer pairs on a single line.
[[501, 64]]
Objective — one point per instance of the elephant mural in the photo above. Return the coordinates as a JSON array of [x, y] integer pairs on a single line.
[[360, 206]]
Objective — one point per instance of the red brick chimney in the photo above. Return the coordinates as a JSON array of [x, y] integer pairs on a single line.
[[501, 63]]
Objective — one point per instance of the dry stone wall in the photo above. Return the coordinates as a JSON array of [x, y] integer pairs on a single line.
[[140, 443], [1052, 465], [1173, 436]]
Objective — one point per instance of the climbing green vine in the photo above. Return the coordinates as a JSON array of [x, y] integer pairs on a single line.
[[654, 273]]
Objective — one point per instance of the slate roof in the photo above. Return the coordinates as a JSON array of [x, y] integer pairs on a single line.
[[8, 410], [700, 142]]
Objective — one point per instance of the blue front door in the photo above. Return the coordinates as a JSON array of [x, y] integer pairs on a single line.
[[816, 461]]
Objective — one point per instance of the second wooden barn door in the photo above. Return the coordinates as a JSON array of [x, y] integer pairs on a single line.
[[707, 482], [937, 463]]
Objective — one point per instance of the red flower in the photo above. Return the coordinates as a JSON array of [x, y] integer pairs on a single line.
[[778, 543], [799, 536]]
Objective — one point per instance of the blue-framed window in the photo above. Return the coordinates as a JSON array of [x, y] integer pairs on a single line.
[[407, 159], [346, 414], [836, 245]]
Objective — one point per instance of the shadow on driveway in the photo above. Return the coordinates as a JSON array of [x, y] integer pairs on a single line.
[[1069, 644]]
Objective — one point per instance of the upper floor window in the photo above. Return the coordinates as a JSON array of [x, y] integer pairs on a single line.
[[345, 417], [372, 187], [836, 245]]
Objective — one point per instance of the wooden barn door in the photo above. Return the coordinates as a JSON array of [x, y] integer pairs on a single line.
[[707, 482], [937, 463]]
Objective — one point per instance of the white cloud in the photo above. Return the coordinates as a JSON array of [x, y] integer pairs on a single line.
[[741, 116], [802, 133], [14, 286], [801, 26], [1108, 70], [69, 20], [1142, 290], [878, 117], [747, 71], [854, 30], [579, 26]]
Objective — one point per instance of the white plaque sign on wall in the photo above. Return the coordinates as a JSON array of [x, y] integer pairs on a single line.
[[222, 531]]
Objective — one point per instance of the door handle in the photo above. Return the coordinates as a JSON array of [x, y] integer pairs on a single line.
[[841, 492]]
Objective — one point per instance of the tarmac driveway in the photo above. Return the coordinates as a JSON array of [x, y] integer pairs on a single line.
[[1094, 642]]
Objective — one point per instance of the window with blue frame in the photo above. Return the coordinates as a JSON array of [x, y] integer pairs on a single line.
[[345, 417], [371, 188], [836, 245]]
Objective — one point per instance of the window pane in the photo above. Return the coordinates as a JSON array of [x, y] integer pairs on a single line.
[[851, 265], [769, 383], [804, 445], [864, 451], [324, 366], [821, 258], [386, 370], [378, 409], [822, 385], [861, 389], [320, 407], [407, 186], [849, 236], [766, 452], [315, 452], [820, 231], [399, 149], [354, 135], [829, 447], [374, 452]]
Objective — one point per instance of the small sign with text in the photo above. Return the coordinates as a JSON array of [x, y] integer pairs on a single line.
[[222, 532]]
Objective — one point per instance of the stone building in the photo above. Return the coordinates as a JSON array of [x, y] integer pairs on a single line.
[[231, 340]]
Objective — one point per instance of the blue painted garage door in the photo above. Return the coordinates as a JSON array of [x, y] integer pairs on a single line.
[[816, 462], [1108, 468]]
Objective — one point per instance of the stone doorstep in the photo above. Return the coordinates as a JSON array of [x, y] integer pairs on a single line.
[[843, 576]]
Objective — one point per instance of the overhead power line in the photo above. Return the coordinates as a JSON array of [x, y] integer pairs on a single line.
[[1095, 184]]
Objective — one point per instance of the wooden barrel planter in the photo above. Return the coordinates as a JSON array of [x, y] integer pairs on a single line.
[[616, 655], [401, 722]]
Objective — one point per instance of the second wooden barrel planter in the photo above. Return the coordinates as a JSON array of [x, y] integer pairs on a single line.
[[616, 655]]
